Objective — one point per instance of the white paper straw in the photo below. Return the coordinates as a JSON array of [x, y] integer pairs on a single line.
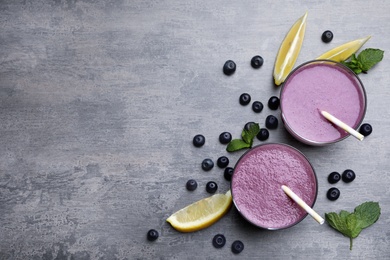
[[342, 125], [303, 204]]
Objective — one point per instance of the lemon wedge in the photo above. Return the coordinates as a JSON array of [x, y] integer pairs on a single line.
[[344, 51], [289, 50], [202, 213]]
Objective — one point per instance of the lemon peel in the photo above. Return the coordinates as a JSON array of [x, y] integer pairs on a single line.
[[344, 51], [289, 50], [201, 214]]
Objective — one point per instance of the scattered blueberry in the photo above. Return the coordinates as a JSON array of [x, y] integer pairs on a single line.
[[334, 177], [273, 103], [191, 185], [219, 241], [245, 99], [199, 140], [348, 176], [225, 138], [237, 247], [211, 187], [263, 134], [365, 129], [257, 106], [223, 162], [152, 235], [327, 36], [207, 164], [333, 194], [248, 125], [257, 61], [229, 67], [271, 122], [228, 173]]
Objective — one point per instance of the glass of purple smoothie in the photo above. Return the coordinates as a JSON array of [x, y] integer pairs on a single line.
[[321, 85], [257, 180]]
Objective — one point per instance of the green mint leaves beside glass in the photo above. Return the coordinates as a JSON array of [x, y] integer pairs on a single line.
[[246, 140], [364, 61], [351, 224]]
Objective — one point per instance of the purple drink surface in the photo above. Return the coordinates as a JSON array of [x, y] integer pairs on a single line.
[[321, 86], [257, 180]]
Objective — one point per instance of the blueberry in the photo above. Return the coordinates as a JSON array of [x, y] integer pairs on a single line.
[[257, 106], [257, 61], [273, 103], [365, 129], [334, 177], [229, 67], [263, 134], [348, 176], [225, 138], [245, 99], [333, 194], [152, 235], [327, 36], [191, 185], [211, 187], [219, 241], [207, 164], [271, 122], [237, 247], [223, 162], [248, 125], [228, 173], [199, 140]]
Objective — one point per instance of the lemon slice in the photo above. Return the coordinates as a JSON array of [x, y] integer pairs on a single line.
[[289, 50], [344, 51], [202, 213]]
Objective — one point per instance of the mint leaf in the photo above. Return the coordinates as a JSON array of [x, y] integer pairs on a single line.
[[369, 57], [237, 144], [367, 213], [351, 224], [364, 61], [249, 135], [246, 141]]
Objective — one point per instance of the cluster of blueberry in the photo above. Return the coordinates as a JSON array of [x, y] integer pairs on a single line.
[[219, 241], [230, 66], [347, 177]]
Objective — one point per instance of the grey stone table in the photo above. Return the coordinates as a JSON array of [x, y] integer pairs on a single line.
[[100, 100]]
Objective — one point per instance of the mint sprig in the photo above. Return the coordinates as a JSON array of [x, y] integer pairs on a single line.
[[351, 224], [246, 140], [365, 60]]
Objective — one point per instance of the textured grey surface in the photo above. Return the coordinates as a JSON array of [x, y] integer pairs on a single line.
[[99, 101]]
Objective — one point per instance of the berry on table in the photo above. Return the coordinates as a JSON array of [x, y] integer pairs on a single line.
[[152, 235], [198, 140], [333, 194], [348, 176], [211, 187], [225, 137], [334, 177], [327, 36], [237, 247], [245, 99], [228, 173], [248, 125], [365, 129], [191, 185], [223, 162], [207, 164], [257, 61], [219, 241], [271, 122], [263, 134], [273, 103], [257, 106], [229, 67]]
